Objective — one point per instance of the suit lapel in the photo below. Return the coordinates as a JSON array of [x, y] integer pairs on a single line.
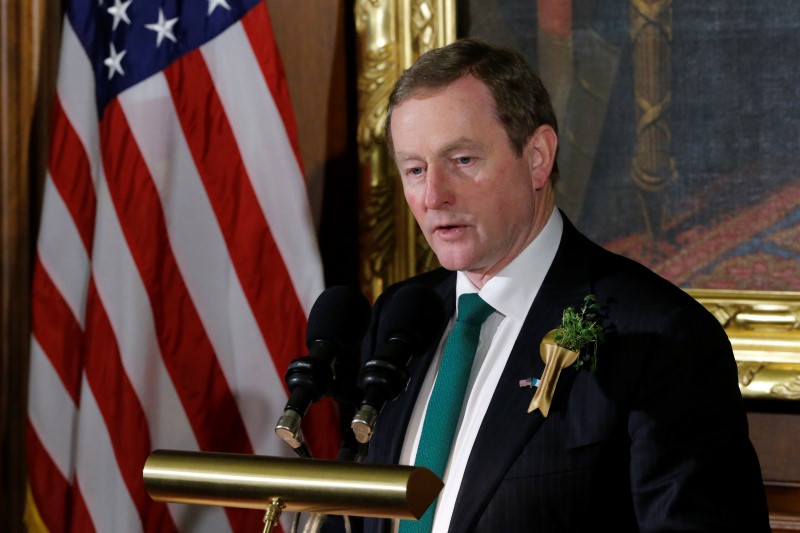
[[507, 420]]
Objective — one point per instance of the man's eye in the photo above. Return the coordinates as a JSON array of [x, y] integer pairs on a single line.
[[464, 160], [415, 171]]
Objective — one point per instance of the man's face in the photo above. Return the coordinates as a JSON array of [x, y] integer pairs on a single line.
[[473, 197]]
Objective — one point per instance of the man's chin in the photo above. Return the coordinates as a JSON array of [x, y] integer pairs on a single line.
[[452, 262]]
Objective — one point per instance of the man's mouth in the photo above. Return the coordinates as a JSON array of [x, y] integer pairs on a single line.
[[448, 230]]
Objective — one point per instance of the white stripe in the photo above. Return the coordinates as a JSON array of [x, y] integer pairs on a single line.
[[76, 92], [97, 473], [268, 157], [124, 299], [63, 255], [204, 262], [62, 252], [51, 410], [127, 305]]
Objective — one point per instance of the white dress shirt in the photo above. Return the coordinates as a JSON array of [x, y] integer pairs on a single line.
[[511, 293]]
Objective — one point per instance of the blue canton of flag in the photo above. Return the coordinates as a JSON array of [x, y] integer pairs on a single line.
[[130, 41]]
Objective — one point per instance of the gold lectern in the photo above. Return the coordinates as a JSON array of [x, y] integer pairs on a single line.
[[302, 485]]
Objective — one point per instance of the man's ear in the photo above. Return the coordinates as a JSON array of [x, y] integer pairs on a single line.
[[541, 150]]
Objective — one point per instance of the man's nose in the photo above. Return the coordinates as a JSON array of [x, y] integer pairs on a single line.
[[438, 188]]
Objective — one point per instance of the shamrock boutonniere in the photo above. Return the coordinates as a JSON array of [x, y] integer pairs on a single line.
[[573, 342]]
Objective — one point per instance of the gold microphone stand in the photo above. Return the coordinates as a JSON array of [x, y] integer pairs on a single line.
[[301, 485]]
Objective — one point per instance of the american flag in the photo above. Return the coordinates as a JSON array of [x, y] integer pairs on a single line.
[[176, 262]]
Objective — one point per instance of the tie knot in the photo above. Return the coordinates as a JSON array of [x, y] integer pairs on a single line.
[[472, 309]]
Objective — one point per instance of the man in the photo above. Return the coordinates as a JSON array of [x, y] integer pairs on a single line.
[[656, 439]]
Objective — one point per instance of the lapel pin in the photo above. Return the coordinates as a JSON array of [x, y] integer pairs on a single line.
[[529, 383]]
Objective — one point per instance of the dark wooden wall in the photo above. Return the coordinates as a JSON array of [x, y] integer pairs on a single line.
[[317, 47], [775, 432], [30, 31]]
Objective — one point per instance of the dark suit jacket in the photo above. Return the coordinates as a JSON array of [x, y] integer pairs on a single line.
[[655, 440]]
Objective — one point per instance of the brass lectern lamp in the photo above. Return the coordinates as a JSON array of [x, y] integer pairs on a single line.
[[301, 485]]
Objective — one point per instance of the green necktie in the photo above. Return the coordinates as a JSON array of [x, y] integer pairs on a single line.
[[447, 397]]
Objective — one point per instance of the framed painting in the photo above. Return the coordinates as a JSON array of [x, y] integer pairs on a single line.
[[677, 133]]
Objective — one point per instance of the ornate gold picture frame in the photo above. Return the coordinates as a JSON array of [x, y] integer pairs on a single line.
[[764, 327]]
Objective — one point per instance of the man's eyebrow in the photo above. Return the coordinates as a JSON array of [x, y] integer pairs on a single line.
[[458, 144], [405, 156]]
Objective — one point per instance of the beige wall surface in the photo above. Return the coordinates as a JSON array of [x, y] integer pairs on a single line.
[[311, 42]]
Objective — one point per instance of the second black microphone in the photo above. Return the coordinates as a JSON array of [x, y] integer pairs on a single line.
[[413, 320]]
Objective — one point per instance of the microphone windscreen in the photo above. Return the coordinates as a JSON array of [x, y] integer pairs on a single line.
[[416, 314], [340, 315]]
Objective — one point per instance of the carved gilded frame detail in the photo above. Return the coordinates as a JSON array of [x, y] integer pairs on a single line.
[[391, 35], [764, 327]]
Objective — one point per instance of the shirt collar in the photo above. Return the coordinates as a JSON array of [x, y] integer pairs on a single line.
[[512, 290]]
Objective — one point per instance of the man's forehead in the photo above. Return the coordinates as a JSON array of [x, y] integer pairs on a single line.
[[448, 146]]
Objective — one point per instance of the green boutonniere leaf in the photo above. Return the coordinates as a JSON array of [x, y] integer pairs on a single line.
[[581, 331]]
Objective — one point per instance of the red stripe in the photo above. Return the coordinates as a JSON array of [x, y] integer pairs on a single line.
[[255, 256], [122, 413], [81, 520], [320, 424], [258, 28], [51, 492], [185, 347], [248, 520], [56, 330], [252, 248], [321, 429], [71, 173]]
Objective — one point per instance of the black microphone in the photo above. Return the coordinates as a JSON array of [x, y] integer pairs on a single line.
[[336, 325], [413, 319]]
